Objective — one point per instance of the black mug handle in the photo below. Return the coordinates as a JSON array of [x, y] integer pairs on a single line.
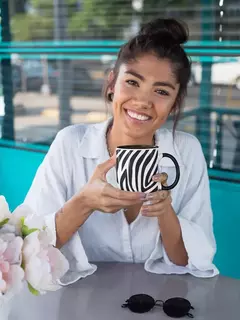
[[167, 155]]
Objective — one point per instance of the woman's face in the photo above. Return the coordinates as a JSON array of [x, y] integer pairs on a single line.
[[144, 94]]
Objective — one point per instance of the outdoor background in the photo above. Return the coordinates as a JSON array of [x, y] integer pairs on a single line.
[[55, 56], [61, 50]]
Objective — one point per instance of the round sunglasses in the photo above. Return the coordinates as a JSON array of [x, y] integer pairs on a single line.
[[174, 307]]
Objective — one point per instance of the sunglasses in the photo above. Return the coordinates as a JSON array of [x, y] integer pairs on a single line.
[[174, 307]]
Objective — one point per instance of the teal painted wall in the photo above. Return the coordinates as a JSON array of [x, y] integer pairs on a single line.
[[18, 167], [17, 170]]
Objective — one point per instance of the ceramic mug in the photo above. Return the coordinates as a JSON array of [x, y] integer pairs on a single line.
[[137, 164]]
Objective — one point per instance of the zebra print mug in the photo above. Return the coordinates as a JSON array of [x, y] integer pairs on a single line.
[[137, 164]]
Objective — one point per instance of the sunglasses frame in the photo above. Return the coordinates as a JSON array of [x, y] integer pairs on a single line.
[[174, 307]]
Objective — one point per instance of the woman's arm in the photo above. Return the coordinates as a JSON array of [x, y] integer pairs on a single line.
[[70, 218], [172, 240], [97, 194], [191, 230]]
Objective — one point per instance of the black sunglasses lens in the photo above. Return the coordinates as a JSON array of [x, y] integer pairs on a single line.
[[177, 308], [139, 303]]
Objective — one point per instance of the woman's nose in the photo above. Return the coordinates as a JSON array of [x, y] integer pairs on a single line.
[[143, 101]]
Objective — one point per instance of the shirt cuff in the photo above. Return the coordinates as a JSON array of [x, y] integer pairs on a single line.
[[200, 254]]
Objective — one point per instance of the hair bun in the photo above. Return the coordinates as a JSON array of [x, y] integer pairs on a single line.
[[167, 28]]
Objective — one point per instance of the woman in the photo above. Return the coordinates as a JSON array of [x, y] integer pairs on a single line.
[[75, 186]]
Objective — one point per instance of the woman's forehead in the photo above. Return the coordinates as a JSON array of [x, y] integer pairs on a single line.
[[150, 66]]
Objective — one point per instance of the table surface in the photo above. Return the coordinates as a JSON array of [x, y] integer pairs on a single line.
[[100, 296]]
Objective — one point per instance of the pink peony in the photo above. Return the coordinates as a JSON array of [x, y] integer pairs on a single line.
[[11, 273], [44, 265], [27, 253]]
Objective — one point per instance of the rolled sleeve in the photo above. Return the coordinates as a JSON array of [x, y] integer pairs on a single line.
[[73, 250]]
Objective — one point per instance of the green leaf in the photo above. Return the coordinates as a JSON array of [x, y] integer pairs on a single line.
[[2, 223], [23, 265], [32, 290], [26, 231], [22, 219]]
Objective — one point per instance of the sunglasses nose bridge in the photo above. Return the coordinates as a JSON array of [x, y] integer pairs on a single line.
[[159, 303]]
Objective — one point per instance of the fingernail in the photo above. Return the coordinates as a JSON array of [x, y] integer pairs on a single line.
[[147, 203], [144, 212], [143, 196], [150, 196]]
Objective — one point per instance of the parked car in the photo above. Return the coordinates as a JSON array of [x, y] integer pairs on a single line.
[[223, 73], [32, 73]]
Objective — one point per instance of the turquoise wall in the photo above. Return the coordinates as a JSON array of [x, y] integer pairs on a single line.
[[18, 167]]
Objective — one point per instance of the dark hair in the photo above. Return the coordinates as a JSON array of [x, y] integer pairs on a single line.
[[164, 38]]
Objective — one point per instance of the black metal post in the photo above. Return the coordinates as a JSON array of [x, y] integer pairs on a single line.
[[203, 124], [6, 70], [64, 66]]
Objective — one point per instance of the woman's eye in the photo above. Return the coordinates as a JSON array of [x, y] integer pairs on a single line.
[[162, 92], [132, 82]]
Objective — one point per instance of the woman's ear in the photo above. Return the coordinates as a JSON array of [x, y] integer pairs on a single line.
[[111, 87], [110, 77]]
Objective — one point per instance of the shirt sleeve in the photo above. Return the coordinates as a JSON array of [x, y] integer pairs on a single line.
[[196, 221], [48, 193]]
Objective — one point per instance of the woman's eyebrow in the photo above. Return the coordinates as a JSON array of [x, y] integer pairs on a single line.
[[158, 83]]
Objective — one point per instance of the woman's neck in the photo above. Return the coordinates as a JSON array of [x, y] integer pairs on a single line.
[[115, 138]]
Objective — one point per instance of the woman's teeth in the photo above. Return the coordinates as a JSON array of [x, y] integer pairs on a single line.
[[137, 116]]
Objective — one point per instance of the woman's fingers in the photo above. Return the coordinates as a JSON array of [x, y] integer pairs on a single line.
[[158, 196], [113, 205], [156, 209], [160, 177], [103, 168], [110, 191]]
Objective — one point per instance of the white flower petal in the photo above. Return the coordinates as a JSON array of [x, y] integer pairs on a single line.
[[33, 221], [16, 277], [31, 246], [4, 209], [3, 246], [22, 211], [45, 237], [8, 228], [13, 253]]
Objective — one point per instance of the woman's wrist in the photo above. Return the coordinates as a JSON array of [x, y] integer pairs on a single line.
[[82, 201], [70, 218], [79, 207], [167, 215]]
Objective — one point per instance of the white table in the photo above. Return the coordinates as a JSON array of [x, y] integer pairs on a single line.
[[100, 296]]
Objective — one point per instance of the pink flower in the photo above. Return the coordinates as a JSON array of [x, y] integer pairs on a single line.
[[25, 240], [44, 265], [11, 273]]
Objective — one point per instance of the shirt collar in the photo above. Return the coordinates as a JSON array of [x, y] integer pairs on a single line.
[[93, 144]]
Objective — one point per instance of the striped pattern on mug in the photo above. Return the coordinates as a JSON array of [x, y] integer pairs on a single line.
[[135, 169]]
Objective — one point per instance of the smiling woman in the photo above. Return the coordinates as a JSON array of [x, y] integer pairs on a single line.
[[145, 92], [75, 187]]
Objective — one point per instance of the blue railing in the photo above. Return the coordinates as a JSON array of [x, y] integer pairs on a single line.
[[200, 51]]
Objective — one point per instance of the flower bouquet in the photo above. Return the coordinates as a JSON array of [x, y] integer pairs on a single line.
[[27, 254]]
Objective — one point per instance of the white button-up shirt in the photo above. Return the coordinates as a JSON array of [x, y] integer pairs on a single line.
[[69, 164]]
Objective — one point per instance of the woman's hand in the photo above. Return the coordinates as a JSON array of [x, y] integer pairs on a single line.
[[159, 202], [98, 194]]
